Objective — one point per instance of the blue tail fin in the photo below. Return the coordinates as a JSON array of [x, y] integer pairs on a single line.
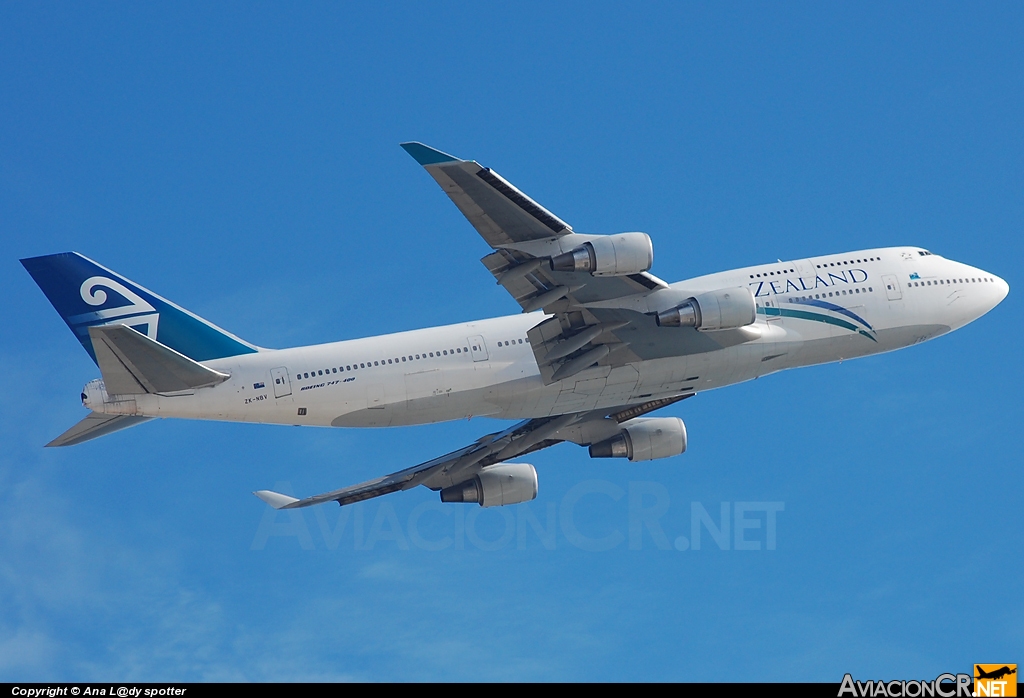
[[87, 294]]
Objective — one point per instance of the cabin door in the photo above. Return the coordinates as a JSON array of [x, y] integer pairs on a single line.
[[282, 386], [892, 287], [477, 348]]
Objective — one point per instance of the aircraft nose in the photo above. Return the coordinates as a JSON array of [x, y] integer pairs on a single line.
[[980, 292], [993, 291], [1002, 289]]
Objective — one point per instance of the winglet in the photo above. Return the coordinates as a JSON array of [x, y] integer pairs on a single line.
[[425, 155], [275, 499]]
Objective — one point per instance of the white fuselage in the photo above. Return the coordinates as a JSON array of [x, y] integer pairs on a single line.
[[883, 299]]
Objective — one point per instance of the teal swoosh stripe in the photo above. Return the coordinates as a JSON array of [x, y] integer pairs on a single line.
[[836, 308], [815, 317]]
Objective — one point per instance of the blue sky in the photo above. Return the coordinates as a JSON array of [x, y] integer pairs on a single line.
[[243, 161]]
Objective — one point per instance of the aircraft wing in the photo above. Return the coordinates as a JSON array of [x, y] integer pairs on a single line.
[[599, 319], [501, 213], [505, 217], [458, 466]]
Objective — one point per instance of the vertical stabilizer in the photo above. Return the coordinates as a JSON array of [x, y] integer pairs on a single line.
[[87, 294]]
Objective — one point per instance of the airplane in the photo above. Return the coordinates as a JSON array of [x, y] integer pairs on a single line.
[[995, 674], [600, 344]]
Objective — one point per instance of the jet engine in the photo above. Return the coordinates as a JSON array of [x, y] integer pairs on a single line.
[[724, 309], [609, 255], [496, 485], [644, 438]]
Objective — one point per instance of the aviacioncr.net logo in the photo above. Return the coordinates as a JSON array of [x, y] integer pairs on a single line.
[[943, 686]]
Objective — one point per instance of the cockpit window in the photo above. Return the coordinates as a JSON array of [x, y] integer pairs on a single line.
[[924, 253]]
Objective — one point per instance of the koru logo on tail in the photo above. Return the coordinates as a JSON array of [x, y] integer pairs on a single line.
[[139, 312]]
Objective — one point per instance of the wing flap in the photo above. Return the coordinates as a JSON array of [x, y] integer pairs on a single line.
[[586, 289]]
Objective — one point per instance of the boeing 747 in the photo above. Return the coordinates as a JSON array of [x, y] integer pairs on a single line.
[[599, 345]]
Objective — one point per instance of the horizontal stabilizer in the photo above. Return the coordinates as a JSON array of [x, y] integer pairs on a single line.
[[275, 499], [94, 426], [134, 364]]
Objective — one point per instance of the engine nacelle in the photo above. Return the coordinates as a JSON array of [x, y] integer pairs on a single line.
[[609, 255], [496, 485], [644, 438], [724, 309]]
